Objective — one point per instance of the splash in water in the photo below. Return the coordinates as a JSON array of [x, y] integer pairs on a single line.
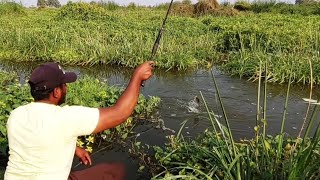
[[193, 105]]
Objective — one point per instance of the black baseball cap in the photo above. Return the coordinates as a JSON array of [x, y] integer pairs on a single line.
[[50, 75]]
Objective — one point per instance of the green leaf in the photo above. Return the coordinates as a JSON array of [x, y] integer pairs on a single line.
[[137, 143], [124, 136], [267, 145], [141, 168]]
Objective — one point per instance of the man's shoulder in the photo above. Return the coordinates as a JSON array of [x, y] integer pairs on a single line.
[[76, 107], [17, 113], [20, 108], [34, 107], [78, 112]]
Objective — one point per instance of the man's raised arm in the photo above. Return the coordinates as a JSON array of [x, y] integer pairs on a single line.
[[112, 116]]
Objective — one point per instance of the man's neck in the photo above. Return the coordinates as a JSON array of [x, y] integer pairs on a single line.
[[47, 101]]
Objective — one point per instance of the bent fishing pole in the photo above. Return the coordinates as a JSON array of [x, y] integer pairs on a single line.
[[157, 42]]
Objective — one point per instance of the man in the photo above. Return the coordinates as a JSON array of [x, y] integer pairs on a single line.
[[42, 135]]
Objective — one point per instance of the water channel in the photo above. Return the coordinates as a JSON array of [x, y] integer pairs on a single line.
[[178, 89]]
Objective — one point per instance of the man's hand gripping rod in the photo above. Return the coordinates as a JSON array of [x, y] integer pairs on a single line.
[[157, 42]]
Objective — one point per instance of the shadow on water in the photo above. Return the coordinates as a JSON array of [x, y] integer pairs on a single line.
[[177, 89]]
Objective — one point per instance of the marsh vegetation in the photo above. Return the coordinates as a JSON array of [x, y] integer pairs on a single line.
[[263, 42]]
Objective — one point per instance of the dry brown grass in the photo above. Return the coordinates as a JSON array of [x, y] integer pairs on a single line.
[[183, 9], [205, 7], [225, 11]]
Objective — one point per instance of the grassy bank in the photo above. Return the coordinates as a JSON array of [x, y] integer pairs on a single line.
[[209, 156], [304, 8], [120, 37], [85, 34], [87, 92]]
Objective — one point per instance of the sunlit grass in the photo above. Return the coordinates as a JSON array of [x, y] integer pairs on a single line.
[[125, 36]]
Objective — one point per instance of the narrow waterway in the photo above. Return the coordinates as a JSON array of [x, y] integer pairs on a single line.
[[177, 90]]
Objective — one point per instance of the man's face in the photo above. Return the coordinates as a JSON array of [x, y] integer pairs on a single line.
[[63, 94]]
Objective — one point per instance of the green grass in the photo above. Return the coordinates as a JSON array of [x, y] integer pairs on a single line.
[[119, 38], [11, 8], [82, 34], [283, 8]]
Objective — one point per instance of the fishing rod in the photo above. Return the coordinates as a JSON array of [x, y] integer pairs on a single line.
[[153, 53], [157, 42]]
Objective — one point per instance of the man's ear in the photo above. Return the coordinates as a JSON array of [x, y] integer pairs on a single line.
[[56, 92]]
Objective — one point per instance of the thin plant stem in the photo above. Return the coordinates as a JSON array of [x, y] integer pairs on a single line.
[[223, 111], [258, 101], [227, 124], [310, 96], [209, 114], [310, 124], [265, 100], [279, 151], [303, 152]]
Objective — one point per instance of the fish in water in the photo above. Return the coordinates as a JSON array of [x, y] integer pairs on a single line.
[[193, 105], [311, 101]]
